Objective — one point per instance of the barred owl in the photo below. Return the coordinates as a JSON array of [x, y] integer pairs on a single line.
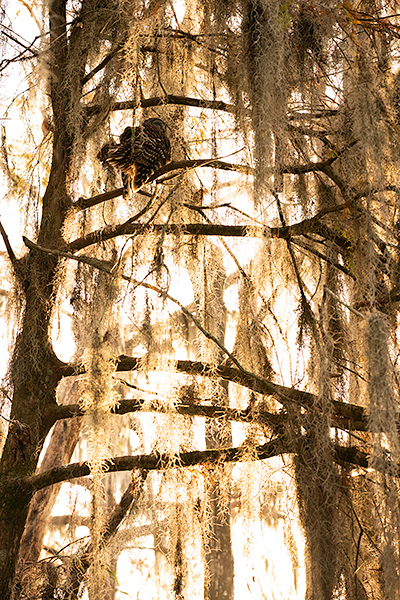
[[141, 152]]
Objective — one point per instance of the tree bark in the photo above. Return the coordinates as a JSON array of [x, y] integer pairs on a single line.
[[61, 446], [35, 370]]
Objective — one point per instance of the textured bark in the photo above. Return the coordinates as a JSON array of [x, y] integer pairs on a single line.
[[35, 370], [61, 446], [219, 552]]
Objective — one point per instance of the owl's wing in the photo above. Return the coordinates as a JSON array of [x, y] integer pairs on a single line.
[[140, 153], [151, 151]]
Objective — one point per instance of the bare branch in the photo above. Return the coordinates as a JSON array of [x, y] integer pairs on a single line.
[[307, 226], [106, 268], [346, 416], [151, 462], [163, 100], [273, 389], [130, 227], [192, 409], [83, 203], [351, 413], [239, 375], [103, 63], [7, 244]]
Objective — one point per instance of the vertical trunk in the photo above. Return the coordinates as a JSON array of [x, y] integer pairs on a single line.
[[62, 444], [35, 371], [209, 298], [219, 552]]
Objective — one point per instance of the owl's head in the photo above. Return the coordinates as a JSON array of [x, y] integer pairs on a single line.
[[155, 122]]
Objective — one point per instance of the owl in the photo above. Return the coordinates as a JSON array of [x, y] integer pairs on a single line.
[[140, 153]]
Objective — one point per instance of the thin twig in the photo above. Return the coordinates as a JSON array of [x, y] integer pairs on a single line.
[[7, 244], [322, 256], [350, 308], [102, 64]]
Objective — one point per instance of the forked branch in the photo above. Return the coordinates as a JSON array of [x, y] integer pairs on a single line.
[[81, 561]]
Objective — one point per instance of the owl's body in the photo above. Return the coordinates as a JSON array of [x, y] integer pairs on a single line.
[[140, 153]]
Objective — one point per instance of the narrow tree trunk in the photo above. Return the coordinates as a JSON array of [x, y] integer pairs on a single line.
[[219, 547], [209, 298], [62, 444]]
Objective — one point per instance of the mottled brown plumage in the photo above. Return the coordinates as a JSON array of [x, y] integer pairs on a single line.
[[140, 153]]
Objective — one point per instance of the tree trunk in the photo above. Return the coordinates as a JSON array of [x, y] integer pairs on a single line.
[[209, 298], [61, 446], [35, 370]]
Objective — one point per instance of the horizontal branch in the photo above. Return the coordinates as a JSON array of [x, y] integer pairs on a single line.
[[151, 462], [252, 380], [191, 409], [349, 416], [163, 100], [182, 165], [296, 169], [345, 416], [83, 203], [312, 225], [202, 162], [130, 227], [210, 229], [109, 268], [197, 103], [307, 226]]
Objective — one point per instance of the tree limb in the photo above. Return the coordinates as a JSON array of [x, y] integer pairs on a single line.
[[83, 203], [163, 100], [151, 462], [251, 380], [129, 227], [211, 411], [345, 415], [348, 417], [102, 64], [81, 561]]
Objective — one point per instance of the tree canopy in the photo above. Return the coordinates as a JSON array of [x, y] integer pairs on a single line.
[[214, 354]]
